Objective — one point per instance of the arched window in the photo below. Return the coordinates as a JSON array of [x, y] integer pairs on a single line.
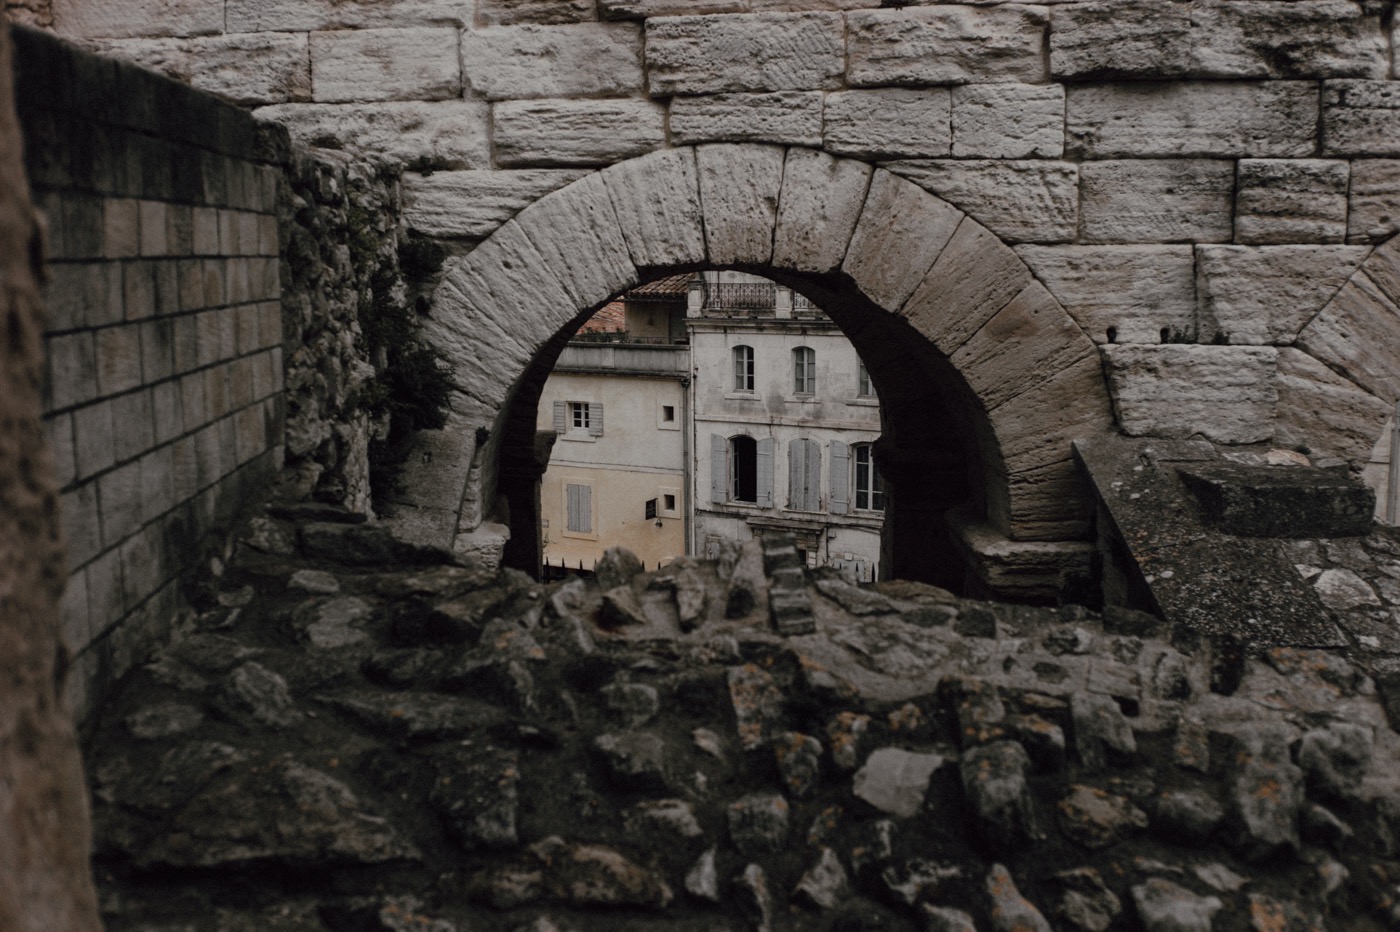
[[869, 484], [804, 371], [743, 368]]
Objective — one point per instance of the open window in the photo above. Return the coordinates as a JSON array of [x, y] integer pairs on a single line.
[[741, 470]]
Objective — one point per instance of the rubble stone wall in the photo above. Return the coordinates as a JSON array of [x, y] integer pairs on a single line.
[[1193, 183], [163, 401]]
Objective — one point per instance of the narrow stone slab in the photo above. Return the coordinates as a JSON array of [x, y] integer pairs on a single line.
[[818, 210], [1265, 295], [1225, 393], [1150, 39], [1019, 201], [267, 68], [1120, 294], [888, 123], [444, 134], [1027, 342], [544, 12], [311, 15], [580, 60], [1274, 118], [576, 132], [974, 277], [1324, 412], [739, 188], [1280, 501], [418, 63], [790, 117], [1360, 118], [921, 46], [1009, 121], [745, 52], [1157, 201], [657, 200], [578, 237], [1291, 201], [901, 232], [1355, 335], [1373, 203], [140, 18], [474, 203]]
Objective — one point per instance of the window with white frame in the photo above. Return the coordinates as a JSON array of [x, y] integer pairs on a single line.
[[869, 484], [864, 387], [578, 420], [743, 368], [804, 371], [579, 415]]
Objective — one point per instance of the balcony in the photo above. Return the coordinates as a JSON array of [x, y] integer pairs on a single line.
[[740, 296], [625, 358]]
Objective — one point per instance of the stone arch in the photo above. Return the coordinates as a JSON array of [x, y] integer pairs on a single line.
[[938, 306]]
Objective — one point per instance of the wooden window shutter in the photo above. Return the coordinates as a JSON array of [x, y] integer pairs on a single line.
[[840, 502]]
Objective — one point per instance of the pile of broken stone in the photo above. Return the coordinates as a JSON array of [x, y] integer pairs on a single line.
[[359, 734]]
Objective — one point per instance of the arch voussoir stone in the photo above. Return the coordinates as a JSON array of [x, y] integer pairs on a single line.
[[577, 235], [818, 209], [1025, 344], [739, 189], [1354, 335], [974, 277], [901, 232], [657, 200]]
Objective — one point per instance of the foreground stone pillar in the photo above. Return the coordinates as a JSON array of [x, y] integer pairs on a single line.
[[45, 882]]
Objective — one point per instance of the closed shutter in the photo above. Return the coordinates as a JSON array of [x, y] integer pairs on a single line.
[[797, 474], [560, 414], [719, 469], [595, 419], [812, 479], [765, 473], [580, 505], [840, 478]]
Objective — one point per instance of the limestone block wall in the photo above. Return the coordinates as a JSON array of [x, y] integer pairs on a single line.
[[163, 340], [1200, 185]]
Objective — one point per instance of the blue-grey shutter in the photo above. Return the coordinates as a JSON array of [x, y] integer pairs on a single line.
[[840, 502], [585, 508], [571, 496], [719, 469], [595, 419], [812, 478], [797, 474], [560, 414], [765, 473]]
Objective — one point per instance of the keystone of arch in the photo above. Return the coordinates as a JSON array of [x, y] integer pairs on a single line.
[[1030, 373]]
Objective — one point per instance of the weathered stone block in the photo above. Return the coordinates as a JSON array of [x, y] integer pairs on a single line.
[[641, 9], [118, 358], [1256, 296], [1291, 201], [888, 123], [474, 203], [92, 430], [1214, 39], [1374, 200], [1192, 119], [1324, 412], [508, 12], [818, 210], [747, 52], [579, 241], [1360, 118], [256, 69], [1280, 501], [657, 199], [947, 45], [445, 134], [1027, 342], [1157, 201], [901, 232], [419, 63], [1009, 121], [583, 60], [1225, 393], [1034, 429], [1020, 201], [1120, 294], [1383, 268], [788, 117], [739, 188], [1355, 335], [973, 278], [311, 15], [77, 19], [576, 132]]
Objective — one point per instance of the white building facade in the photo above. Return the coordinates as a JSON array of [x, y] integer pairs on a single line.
[[784, 417]]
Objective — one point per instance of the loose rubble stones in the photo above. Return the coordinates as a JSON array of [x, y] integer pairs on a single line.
[[463, 751]]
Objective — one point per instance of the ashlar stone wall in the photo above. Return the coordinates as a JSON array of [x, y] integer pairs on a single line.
[[1199, 185]]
